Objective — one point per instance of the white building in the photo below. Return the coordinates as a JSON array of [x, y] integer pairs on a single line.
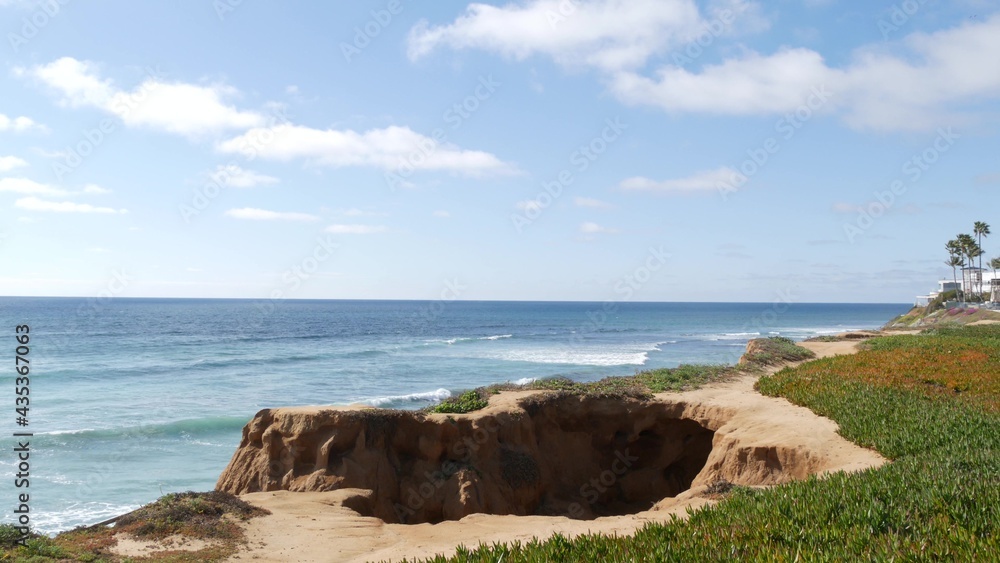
[[972, 278]]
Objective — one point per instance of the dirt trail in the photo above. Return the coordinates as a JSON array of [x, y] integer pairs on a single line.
[[779, 442]]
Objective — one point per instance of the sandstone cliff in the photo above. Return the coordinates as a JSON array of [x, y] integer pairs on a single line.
[[537, 453]]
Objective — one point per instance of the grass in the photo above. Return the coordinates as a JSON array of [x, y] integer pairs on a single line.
[[208, 516], [466, 402], [928, 402], [643, 384], [774, 351]]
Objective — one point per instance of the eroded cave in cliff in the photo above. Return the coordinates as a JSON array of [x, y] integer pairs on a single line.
[[557, 455]]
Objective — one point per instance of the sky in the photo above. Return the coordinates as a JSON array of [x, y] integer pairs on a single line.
[[584, 150]]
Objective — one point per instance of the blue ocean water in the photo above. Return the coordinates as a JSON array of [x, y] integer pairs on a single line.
[[134, 398]]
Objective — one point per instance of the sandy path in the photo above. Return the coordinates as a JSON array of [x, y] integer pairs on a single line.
[[316, 527]]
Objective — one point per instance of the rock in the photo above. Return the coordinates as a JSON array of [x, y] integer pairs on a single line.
[[538, 453], [607, 455]]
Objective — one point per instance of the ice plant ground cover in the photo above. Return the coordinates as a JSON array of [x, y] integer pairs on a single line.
[[929, 403]]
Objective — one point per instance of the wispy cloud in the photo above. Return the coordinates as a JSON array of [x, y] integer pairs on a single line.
[[708, 180], [591, 203], [356, 229], [234, 176], [594, 229], [19, 124], [94, 189], [30, 187], [387, 148], [35, 204], [265, 215]]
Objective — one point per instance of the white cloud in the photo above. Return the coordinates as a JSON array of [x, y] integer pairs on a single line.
[[910, 86], [233, 176], [594, 229], [26, 186], [591, 203], [387, 148], [442, 214], [918, 83], [94, 189], [356, 229], [185, 109], [19, 124], [265, 215], [8, 163], [754, 84], [35, 204], [608, 34], [98, 250], [700, 182]]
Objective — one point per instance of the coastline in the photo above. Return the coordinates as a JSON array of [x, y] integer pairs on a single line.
[[808, 444]]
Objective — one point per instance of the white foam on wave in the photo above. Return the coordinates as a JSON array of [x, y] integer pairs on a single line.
[[457, 339], [715, 337], [622, 355], [525, 380], [497, 337], [78, 514], [62, 432], [426, 397]]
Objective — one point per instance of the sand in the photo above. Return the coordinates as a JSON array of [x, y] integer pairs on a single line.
[[316, 527]]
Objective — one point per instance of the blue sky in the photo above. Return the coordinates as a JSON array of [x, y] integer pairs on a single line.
[[604, 150]]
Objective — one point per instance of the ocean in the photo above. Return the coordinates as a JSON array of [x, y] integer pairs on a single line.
[[134, 398]]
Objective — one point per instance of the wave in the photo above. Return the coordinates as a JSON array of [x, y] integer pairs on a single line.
[[524, 381], [177, 428], [497, 337], [457, 339], [78, 514], [426, 397], [573, 357]]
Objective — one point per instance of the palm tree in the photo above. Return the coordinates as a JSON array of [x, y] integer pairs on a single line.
[[955, 261], [981, 230], [954, 248], [969, 250]]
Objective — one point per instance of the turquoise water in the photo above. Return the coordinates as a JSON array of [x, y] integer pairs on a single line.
[[134, 398]]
